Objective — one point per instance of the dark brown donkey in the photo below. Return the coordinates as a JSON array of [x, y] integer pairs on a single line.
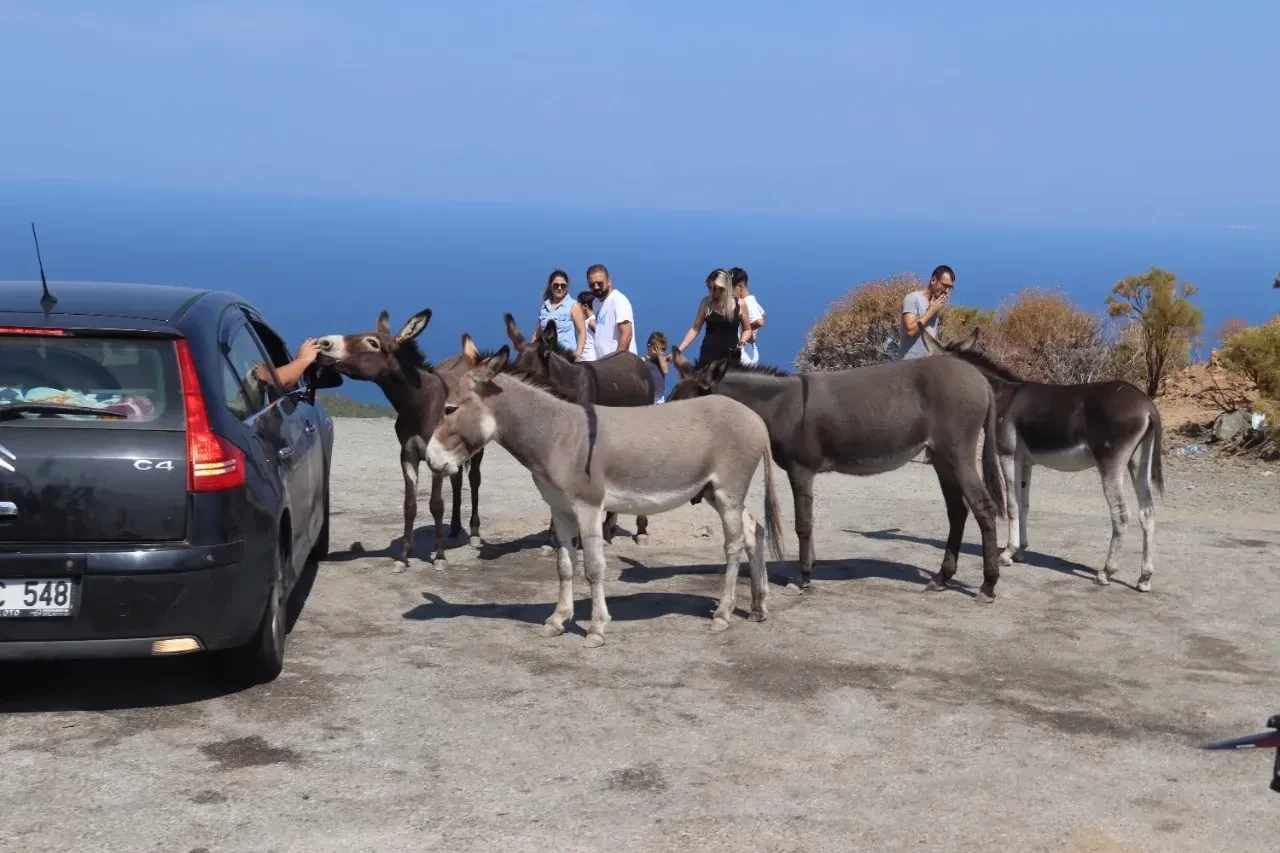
[[618, 379], [1111, 426], [870, 420], [417, 391]]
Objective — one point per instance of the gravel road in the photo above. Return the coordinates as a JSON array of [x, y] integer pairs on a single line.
[[418, 711]]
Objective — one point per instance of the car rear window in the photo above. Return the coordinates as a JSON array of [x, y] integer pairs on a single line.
[[136, 378]]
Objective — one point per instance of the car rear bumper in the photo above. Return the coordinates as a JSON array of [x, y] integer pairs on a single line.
[[128, 600]]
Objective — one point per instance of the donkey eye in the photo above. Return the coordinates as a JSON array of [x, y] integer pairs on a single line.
[[450, 409], [373, 343]]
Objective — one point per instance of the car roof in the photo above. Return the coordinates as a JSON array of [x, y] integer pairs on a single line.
[[148, 304]]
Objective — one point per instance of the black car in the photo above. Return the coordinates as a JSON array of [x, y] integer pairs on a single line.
[[160, 492]]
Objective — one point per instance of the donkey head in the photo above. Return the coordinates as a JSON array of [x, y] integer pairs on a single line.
[[933, 346], [377, 354], [468, 424], [532, 356], [696, 381]]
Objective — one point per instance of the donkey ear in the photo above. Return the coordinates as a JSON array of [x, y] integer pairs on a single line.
[[384, 323], [969, 341], [414, 326], [549, 330], [715, 372], [683, 367], [469, 352], [492, 365], [513, 331], [931, 344]]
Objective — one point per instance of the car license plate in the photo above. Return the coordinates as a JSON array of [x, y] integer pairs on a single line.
[[34, 598]]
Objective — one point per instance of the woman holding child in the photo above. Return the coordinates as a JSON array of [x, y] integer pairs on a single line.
[[728, 326]]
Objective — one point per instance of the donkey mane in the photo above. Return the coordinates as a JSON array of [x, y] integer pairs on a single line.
[[528, 377], [757, 369], [411, 357], [986, 364]]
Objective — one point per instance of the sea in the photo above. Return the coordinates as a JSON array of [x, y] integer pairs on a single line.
[[317, 265]]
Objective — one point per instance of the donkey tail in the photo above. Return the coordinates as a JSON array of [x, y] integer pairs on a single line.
[[992, 476], [1157, 449], [772, 514]]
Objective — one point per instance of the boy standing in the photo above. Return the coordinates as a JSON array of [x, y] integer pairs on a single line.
[[656, 359]]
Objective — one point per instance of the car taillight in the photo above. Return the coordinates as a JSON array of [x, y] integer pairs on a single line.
[[214, 464], [25, 330]]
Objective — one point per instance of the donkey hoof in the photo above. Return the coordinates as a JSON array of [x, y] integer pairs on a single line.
[[439, 564], [718, 624], [398, 568], [984, 597], [593, 641], [935, 585], [1103, 578], [474, 542], [1144, 585], [756, 616], [548, 630], [792, 589], [546, 550], [1006, 558], [1020, 555], [642, 538]]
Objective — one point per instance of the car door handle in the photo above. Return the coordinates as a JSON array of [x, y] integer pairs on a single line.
[[285, 452], [309, 429]]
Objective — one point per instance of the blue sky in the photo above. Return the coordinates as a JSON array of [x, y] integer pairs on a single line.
[[1085, 112]]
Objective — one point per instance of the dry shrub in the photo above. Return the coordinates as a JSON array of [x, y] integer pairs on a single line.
[[859, 329], [1042, 335]]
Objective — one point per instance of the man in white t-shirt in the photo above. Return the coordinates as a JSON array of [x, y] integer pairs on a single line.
[[615, 323], [755, 314]]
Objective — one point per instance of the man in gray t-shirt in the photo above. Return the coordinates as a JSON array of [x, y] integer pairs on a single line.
[[920, 310]]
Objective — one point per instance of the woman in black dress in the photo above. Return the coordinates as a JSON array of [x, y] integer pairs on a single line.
[[726, 320]]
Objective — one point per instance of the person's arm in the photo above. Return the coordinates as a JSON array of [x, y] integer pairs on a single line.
[[580, 327], [625, 333], [292, 372], [698, 320], [624, 323], [914, 323], [662, 363], [745, 321]]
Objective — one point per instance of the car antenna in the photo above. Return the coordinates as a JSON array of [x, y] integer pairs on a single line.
[[48, 300]]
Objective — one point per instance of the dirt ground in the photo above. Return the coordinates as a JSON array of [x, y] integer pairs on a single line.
[[418, 711]]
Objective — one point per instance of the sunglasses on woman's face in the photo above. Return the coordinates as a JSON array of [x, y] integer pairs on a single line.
[[559, 286]]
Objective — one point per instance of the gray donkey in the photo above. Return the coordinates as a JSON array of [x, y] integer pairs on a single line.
[[589, 460], [871, 420], [1111, 426]]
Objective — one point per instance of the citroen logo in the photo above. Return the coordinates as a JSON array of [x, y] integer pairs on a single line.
[[6, 458]]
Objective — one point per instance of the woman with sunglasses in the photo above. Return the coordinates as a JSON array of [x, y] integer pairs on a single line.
[[571, 324], [724, 316]]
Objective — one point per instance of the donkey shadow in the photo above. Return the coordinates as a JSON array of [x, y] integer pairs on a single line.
[[823, 570], [424, 547], [1030, 558], [637, 607]]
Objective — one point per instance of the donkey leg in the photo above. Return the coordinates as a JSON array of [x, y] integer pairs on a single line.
[[610, 528], [455, 524], [1024, 508], [1013, 497], [566, 527], [1140, 475], [642, 530], [409, 466], [802, 492], [474, 478], [1113, 490], [593, 567], [985, 513], [552, 543], [753, 541], [957, 515], [732, 522], [437, 515]]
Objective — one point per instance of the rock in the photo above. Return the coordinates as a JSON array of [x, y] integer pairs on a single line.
[[1230, 425]]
